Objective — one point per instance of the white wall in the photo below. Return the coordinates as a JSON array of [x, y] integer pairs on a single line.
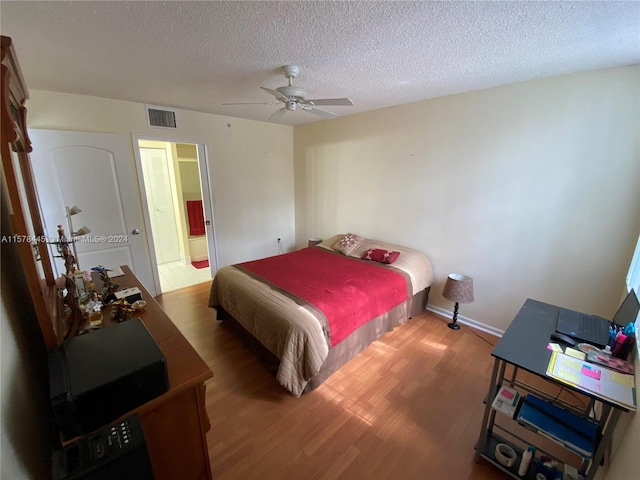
[[532, 188], [251, 164]]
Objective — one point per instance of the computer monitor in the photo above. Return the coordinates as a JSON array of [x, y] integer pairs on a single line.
[[628, 310]]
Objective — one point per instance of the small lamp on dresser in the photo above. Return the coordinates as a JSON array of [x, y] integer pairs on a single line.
[[458, 289]]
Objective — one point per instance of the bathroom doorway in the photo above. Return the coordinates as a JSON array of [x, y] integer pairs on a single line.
[[174, 186]]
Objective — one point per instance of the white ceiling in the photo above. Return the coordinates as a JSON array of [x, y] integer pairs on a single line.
[[199, 55]]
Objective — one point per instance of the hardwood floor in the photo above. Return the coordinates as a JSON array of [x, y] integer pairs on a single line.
[[408, 407]]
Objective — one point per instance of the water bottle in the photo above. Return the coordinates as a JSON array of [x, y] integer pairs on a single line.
[[526, 460]]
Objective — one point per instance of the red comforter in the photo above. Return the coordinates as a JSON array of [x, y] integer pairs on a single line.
[[348, 291]]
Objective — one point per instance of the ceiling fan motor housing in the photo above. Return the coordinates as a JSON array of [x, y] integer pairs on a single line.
[[292, 92]]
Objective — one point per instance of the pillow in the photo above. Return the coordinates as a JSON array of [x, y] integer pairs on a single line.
[[348, 243], [380, 255]]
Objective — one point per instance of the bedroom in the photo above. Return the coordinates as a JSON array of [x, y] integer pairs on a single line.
[[487, 182]]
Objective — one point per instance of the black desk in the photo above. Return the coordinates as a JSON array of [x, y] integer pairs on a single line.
[[524, 346]]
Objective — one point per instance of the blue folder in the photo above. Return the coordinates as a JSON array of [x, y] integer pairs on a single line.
[[572, 431]]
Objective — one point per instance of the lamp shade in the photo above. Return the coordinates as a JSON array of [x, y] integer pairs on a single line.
[[82, 231], [73, 210], [459, 288]]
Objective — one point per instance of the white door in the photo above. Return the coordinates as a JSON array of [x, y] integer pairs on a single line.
[[155, 166], [96, 172], [207, 204]]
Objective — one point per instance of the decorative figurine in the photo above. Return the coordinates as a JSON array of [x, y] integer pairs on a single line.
[[122, 310], [69, 260], [62, 245], [109, 286], [71, 300], [93, 309]]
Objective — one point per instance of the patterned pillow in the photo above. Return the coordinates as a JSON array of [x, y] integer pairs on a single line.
[[380, 255], [348, 243]]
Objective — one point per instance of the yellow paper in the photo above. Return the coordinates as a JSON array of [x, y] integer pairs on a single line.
[[572, 352], [554, 347], [626, 380]]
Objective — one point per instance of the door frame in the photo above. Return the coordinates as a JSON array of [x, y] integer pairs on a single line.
[[207, 200]]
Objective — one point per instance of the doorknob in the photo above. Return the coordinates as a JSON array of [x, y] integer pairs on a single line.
[[135, 231], [207, 222]]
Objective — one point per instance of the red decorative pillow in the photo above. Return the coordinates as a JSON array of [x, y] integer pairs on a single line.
[[380, 255]]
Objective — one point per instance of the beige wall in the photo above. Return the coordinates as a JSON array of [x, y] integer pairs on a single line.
[[531, 189], [251, 164]]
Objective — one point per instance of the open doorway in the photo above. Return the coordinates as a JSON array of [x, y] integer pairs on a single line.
[[175, 203]]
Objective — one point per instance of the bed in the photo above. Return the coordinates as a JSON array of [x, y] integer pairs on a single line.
[[308, 312]]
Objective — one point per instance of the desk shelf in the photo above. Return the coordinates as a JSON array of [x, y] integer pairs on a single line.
[[488, 453], [519, 444]]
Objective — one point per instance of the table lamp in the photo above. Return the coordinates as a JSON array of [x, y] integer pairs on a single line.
[[458, 289], [314, 241], [83, 231]]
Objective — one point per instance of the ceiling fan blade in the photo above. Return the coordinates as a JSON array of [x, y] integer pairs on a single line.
[[337, 102], [277, 115], [276, 94], [317, 111], [252, 103]]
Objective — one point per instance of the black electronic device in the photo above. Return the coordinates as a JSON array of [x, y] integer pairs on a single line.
[[117, 451], [593, 329], [99, 376], [562, 338], [628, 310], [588, 328]]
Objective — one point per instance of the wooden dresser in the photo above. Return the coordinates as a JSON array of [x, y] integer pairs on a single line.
[[175, 424]]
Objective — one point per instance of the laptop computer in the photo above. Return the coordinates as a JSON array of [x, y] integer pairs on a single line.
[[592, 328], [628, 311]]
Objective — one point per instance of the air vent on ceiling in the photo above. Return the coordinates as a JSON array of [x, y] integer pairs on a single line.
[[160, 117]]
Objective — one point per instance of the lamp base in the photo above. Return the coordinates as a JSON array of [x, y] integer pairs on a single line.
[[454, 325]]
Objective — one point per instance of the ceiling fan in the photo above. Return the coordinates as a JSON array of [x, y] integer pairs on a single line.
[[295, 97]]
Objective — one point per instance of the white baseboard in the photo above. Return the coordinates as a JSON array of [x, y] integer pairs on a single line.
[[466, 321]]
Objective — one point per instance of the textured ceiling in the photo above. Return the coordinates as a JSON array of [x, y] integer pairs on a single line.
[[199, 55]]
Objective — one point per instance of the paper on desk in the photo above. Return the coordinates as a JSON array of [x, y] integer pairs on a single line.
[[600, 381], [626, 380], [572, 352], [554, 347], [115, 272]]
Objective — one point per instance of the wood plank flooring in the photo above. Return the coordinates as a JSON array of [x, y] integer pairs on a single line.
[[408, 407]]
